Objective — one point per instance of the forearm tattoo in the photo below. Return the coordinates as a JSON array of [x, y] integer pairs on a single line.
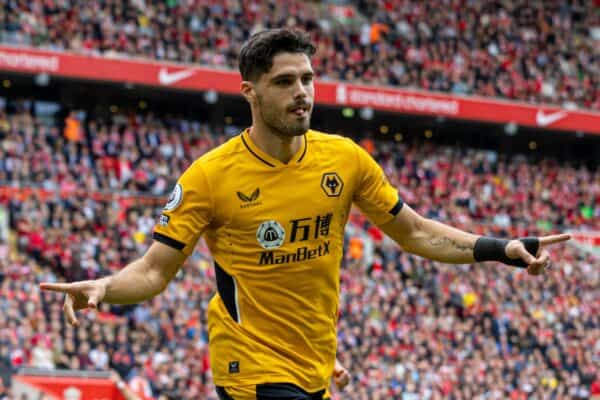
[[445, 241]]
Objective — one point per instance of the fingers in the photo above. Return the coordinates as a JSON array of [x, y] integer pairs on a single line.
[[79, 295], [68, 306], [69, 311], [56, 287], [93, 300], [341, 376], [540, 264], [341, 379], [525, 255], [553, 239], [536, 263]]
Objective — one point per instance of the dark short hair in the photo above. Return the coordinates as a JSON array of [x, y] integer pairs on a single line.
[[256, 55]]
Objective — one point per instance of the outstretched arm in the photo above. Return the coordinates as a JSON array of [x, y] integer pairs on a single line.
[[440, 242], [430, 239], [141, 280], [144, 278]]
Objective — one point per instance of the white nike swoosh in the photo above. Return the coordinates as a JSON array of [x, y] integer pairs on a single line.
[[546, 119], [168, 78]]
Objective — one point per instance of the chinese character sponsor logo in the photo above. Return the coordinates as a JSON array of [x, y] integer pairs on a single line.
[[302, 227]]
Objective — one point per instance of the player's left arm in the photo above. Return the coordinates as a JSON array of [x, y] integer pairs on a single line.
[[381, 202], [440, 242]]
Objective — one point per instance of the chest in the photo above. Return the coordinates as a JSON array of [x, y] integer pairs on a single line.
[[285, 209]]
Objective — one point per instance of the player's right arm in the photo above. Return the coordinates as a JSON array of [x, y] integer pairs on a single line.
[[137, 282], [184, 218]]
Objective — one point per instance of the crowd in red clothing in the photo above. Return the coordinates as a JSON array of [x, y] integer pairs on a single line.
[[137, 154], [536, 51], [409, 328]]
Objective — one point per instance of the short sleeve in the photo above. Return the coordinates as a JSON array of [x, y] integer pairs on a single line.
[[374, 194], [187, 213]]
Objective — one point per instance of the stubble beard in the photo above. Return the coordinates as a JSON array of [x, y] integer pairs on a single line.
[[275, 121]]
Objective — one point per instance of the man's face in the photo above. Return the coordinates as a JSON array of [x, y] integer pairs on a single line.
[[285, 94]]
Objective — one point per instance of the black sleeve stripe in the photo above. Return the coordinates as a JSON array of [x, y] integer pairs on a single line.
[[396, 209], [176, 244]]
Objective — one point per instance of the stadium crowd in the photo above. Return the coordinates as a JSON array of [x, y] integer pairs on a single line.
[[144, 155], [409, 328], [535, 51]]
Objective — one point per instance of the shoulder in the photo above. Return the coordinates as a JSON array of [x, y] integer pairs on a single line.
[[231, 148], [332, 142], [214, 160]]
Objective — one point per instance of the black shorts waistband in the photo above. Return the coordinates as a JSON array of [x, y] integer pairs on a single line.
[[278, 391]]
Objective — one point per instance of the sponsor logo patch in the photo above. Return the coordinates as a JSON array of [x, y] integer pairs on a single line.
[[270, 235], [175, 198], [301, 254], [163, 220], [234, 367]]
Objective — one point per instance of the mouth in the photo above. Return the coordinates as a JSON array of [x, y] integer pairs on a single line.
[[300, 110]]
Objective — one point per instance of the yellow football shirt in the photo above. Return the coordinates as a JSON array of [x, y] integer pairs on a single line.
[[276, 234]]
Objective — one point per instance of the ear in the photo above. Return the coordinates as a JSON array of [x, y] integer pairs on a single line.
[[247, 90]]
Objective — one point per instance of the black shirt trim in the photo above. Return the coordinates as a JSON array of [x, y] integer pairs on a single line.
[[254, 154], [305, 147], [396, 209], [176, 244]]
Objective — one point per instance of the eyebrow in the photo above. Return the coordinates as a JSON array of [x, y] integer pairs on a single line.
[[290, 75]]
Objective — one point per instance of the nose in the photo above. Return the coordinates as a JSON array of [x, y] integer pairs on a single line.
[[299, 90]]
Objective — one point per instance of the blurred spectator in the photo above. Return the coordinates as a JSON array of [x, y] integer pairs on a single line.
[[41, 355]]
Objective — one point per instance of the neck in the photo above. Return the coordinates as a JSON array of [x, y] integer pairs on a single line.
[[277, 146]]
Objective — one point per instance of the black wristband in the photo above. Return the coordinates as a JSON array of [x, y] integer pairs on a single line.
[[492, 249]]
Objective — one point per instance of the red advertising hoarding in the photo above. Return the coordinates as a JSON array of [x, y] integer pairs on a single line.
[[66, 388], [188, 77]]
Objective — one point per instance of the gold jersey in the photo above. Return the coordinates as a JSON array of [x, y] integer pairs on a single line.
[[276, 233]]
